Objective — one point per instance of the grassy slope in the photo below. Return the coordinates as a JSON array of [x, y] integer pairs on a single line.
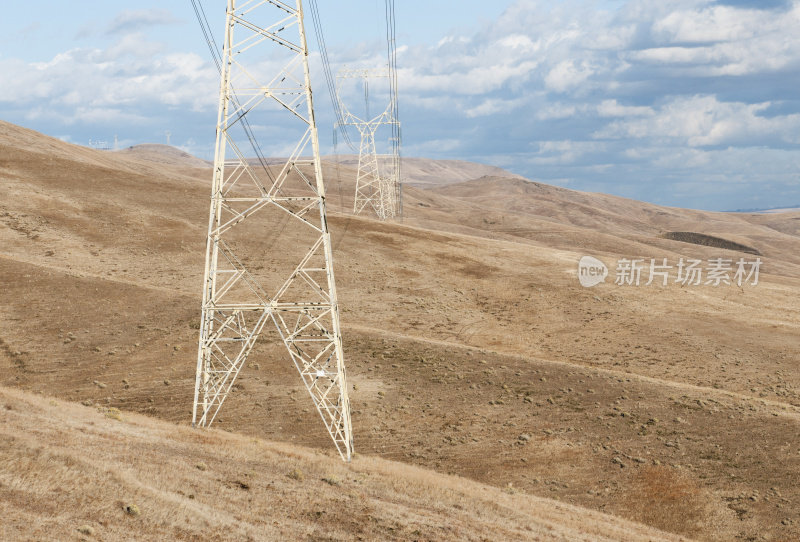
[[69, 472], [671, 406]]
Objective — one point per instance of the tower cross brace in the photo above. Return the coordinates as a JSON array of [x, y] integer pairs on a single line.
[[269, 260]]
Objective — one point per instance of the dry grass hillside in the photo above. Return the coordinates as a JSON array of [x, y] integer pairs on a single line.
[[70, 472], [521, 210], [163, 155], [425, 173], [678, 407]]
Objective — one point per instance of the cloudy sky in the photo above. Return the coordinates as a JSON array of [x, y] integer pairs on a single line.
[[693, 103]]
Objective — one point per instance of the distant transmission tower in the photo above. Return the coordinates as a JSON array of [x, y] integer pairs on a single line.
[[378, 176], [263, 215]]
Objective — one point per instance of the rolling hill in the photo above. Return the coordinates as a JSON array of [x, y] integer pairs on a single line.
[[668, 405], [95, 473]]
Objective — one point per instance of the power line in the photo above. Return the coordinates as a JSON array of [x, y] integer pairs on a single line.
[[326, 68], [216, 54], [391, 51]]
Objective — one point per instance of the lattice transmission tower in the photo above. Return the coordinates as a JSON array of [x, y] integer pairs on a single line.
[[378, 184], [269, 257]]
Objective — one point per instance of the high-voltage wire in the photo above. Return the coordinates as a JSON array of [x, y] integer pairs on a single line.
[[326, 68], [216, 54], [391, 49]]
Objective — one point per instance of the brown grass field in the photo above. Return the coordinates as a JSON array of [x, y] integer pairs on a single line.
[[471, 349], [72, 472]]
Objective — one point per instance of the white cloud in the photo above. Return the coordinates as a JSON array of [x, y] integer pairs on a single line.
[[473, 81], [677, 55], [615, 99], [564, 152], [128, 74], [722, 40], [433, 147], [559, 110], [134, 44], [88, 115], [612, 108], [704, 120], [520, 42], [567, 75], [494, 106], [711, 24], [681, 158]]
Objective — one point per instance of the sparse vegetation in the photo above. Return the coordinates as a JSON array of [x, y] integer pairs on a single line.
[[154, 463], [132, 510], [467, 318], [111, 412], [668, 499]]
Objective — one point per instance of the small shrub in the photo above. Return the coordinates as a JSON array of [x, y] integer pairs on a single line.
[[132, 510], [88, 530], [296, 474], [111, 412]]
